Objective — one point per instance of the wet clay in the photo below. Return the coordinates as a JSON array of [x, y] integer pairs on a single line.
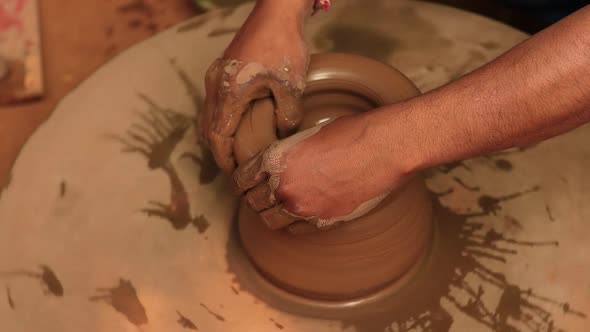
[[359, 257]]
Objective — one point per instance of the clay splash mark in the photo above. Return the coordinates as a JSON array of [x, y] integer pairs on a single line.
[[444, 193], [464, 185], [222, 31], [517, 310], [549, 213], [463, 278], [214, 314], [235, 290], [9, 298], [454, 165], [490, 45], [277, 325], [491, 205], [499, 163], [123, 298], [504, 165], [209, 170], [185, 322], [155, 137], [47, 277]]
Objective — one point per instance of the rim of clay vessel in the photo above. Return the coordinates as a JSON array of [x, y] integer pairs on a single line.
[[340, 75]]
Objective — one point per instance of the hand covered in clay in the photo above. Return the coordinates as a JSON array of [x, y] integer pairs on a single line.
[[319, 177], [268, 57]]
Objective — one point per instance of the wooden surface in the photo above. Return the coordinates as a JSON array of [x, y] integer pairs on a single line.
[[78, 37]]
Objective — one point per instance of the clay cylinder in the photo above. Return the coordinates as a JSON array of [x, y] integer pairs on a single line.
[[359, 257]]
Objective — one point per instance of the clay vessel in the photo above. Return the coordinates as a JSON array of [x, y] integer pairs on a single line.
[[365, 255]]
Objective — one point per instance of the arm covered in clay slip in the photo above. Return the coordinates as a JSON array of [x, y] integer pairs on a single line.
[[267, 57], [537, 90]]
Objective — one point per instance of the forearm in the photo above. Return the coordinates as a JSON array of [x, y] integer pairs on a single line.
[[539, 89]]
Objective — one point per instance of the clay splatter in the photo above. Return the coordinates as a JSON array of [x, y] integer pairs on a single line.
[[185, 322], [155, 137], [516, 311], [9, 298], [277, 325], [445, 192], [123, 298], [503, 164], [209, 170], [463, 278], [491, 205], [222, 31], [490, 45], [464, 185], [47, 277], [214, 314], [235, 290], [454, 165], [549, 213]]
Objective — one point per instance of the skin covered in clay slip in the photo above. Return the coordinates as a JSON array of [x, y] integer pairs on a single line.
[[352, 259]]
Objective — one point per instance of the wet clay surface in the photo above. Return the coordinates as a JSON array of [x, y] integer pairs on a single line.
[[123, 298], [358, 257], [47, 277]]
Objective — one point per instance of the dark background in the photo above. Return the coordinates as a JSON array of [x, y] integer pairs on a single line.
[[527, 15]]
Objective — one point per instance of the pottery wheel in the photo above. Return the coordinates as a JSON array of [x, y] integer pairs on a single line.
[[115, 219]]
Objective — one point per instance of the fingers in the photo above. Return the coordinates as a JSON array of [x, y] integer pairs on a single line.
[[249, 174], [227, 100], [261, 197], [227, 114], [277, 217]]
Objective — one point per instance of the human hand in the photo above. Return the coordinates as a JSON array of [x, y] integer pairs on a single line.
[[319, 177], [268, 57]]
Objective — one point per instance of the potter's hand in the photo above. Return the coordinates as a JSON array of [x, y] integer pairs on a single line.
[[322, 176], [268, 56]]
